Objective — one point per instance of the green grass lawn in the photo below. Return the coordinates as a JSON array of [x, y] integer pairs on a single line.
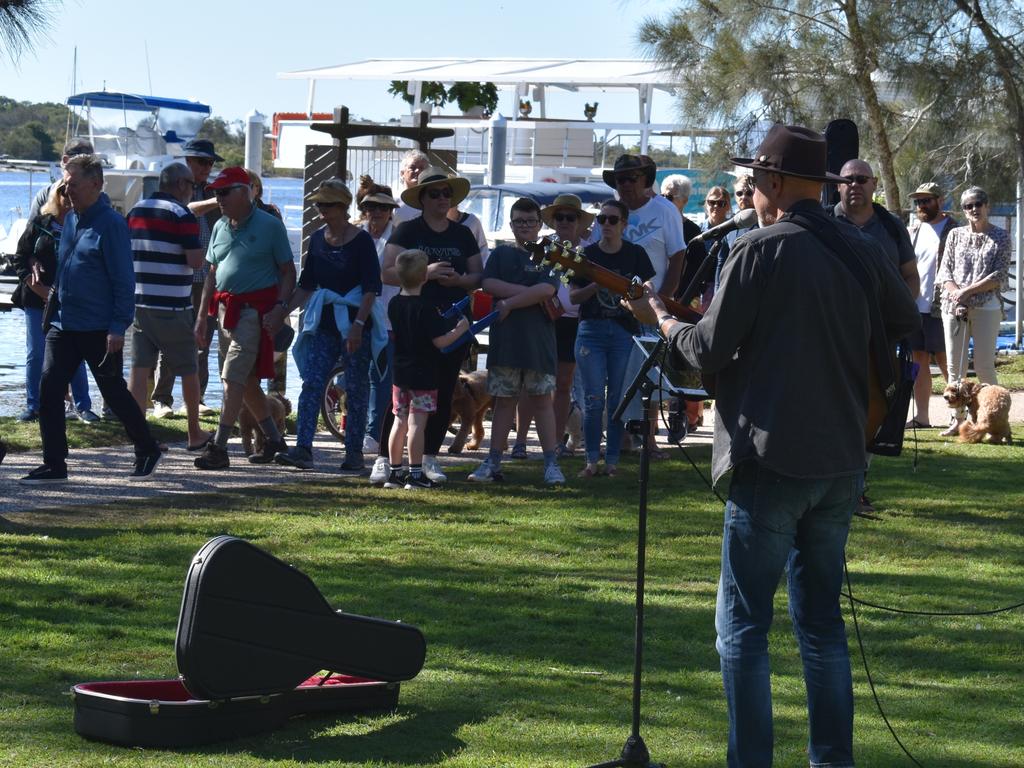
[[525, 595]]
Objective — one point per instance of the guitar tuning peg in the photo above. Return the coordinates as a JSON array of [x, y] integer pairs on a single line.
[[570, 273], [564, 279], [556, 267], [566, 244], [579, 258]]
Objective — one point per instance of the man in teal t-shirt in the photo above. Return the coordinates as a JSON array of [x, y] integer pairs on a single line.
[[251, 274]]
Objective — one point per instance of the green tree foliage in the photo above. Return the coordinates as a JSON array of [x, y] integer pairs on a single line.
[[32, 131]]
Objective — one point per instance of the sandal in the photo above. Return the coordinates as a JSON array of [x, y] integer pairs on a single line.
[[659, 455], [916, 424]]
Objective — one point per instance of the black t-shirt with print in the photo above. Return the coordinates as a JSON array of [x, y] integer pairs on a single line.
[[456, 245], [416, 323], [630, 261]]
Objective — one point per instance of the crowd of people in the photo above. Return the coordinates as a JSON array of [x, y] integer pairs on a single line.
[[788, 312]]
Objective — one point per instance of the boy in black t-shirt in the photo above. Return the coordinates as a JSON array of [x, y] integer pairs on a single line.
[[420, 334]]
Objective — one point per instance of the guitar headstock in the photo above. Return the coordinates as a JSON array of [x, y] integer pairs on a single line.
[[558, 257]]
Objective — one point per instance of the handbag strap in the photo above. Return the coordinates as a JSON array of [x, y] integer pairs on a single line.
[[827, 231]]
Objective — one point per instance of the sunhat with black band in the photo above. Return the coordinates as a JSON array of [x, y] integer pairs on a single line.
[[379, 197], [792, 150], [432, 176], [567, 203]]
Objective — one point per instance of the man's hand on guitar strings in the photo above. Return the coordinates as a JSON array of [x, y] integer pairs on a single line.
[[648, 307]]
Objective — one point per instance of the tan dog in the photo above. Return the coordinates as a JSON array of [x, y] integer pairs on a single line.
[[989, 406], [280, 406], [470, 402]]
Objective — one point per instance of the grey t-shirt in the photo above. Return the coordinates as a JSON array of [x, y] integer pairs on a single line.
[[526, 338], [900, 250]]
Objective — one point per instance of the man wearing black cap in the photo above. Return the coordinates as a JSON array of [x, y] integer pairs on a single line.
[[199, 155], [787, 335]]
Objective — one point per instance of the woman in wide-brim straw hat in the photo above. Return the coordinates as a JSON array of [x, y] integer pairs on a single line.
[[454, 269]]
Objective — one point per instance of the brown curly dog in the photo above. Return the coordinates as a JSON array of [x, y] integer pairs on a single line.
[[989, 406], [470, 402], [280, 406]]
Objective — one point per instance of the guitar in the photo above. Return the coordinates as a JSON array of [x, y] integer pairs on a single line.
[[562, 257]]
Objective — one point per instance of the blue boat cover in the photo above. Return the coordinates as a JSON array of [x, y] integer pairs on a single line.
[[117, 100]]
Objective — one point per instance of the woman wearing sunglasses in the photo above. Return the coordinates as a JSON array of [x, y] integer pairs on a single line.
[[454, 269], [605, 337], [339, 285], [717, 209], [974, 269]]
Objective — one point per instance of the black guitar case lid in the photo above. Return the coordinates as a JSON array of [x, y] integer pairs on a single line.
[[252, 625]]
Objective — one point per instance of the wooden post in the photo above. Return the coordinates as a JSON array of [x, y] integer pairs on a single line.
[[341, 142]]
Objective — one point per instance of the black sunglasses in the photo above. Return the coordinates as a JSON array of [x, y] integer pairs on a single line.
[[434, 194], [608, 219], [627, 177], [375, 207], [744, 193], [562, 217], [226, 191], [716, 203], [858, 179], [972, 206], [921, 202]]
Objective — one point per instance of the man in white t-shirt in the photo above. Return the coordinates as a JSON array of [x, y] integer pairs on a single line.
[[654, 222], [928, 238]]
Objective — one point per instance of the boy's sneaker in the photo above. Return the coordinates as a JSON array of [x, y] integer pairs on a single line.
[[553, 475], [484, 473], [299, 456], [45, 475], [395, 480], [419, 483], [145, 466], [213, 457], [432, 469], [381, 471], [270, 449]]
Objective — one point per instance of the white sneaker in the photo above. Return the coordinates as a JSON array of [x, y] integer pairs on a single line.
[[381, 470], [205, 410], [183, 411], [553, 475], [432, 469], [161, 411], [484, 473], [370, 446]]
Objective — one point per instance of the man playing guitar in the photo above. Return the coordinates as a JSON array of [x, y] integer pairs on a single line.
[[787, 335]]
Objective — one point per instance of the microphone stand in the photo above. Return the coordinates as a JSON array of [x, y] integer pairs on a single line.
[[635, 753]]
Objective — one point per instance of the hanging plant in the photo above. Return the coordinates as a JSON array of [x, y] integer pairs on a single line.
[[469, 95], [433, 92]]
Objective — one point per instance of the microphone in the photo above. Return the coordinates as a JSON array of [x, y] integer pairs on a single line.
[[742, 220]]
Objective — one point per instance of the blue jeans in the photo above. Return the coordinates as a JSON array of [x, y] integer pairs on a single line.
[[324, 351], [602, 351], [35, 345], [380, 394], [775, 523]]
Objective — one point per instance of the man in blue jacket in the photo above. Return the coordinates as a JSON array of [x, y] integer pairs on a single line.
[[91, 304]]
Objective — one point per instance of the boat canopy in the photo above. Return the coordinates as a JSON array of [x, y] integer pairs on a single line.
[[117, 100]]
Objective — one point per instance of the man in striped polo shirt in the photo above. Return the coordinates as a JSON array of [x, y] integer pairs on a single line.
[[166, 249]]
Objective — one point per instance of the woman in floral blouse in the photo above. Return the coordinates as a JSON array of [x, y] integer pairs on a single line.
[[973, 271]]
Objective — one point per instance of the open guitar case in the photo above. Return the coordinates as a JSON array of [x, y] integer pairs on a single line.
[[254, 635]]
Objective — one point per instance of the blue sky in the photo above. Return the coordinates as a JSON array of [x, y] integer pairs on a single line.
[[228, 53]]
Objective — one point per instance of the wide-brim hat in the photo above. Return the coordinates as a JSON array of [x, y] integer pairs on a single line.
[[331, 191], [432, 176], [200, 148], [928, 189], [566, 203], [792, 150], [379, 197], [626, 163]]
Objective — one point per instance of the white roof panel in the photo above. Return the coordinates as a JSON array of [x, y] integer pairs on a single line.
[[573, 73]]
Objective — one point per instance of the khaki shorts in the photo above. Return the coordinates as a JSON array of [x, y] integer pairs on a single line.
[[239, 346], [503, 381], [165, 331]]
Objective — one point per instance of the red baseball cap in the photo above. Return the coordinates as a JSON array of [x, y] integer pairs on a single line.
[[235, 176]]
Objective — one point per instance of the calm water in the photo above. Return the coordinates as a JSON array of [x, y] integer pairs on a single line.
[[15, 197]]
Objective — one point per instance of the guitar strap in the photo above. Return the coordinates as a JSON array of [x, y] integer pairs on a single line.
[[826, 230]]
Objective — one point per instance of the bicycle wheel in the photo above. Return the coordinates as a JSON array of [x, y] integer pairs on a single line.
[[332, 404]]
